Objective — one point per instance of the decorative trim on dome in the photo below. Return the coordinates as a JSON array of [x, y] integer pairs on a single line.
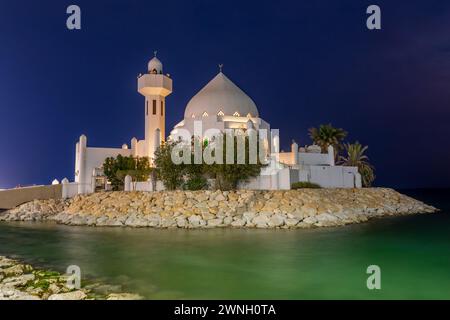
[[220, 113], [193, 115], [249, 115], [236, 114], [221, 94], [205, 114]]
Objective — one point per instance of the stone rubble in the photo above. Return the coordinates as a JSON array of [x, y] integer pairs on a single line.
[[290, 209], [20, 281]]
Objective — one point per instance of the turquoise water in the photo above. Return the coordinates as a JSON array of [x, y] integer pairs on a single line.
[[328, 263]]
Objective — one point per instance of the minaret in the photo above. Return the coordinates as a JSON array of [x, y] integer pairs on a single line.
[[155, 87]]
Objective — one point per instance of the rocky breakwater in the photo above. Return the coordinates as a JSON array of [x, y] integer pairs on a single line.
[[19, 281], [37, 210], [304, 208]]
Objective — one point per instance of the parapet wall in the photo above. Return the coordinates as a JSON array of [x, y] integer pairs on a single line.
[[13, 197]]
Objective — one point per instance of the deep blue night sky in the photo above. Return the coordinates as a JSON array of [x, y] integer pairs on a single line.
[[303, 62]]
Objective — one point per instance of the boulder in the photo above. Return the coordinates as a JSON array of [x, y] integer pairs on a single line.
[[261, 221], [123, 296], [73, 295], [276, 220], [238, 223]]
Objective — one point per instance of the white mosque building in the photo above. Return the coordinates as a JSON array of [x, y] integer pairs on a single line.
[[218, 105]]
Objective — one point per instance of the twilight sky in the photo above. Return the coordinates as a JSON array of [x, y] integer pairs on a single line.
[[303, 63]]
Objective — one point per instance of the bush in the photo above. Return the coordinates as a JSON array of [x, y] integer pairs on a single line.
[[115, 169], [196, 183], [303, 185]]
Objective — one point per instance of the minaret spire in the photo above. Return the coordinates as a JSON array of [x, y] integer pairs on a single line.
[[220, 67]]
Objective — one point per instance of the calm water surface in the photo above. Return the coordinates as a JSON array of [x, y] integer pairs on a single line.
[[329, 263]]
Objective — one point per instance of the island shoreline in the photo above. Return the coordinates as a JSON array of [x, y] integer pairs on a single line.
[[289, 209]]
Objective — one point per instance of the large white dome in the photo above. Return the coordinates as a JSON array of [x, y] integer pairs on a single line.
[[222, 96]]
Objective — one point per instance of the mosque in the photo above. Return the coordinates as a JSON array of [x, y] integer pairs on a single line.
[[218, 105]]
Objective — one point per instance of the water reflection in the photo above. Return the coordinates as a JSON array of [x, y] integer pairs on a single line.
[[255, 264]]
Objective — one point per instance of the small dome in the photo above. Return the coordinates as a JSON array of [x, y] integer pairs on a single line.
[[155, 66], [221, 97]]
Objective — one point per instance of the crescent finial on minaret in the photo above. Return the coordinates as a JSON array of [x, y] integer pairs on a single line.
[[155, 53]]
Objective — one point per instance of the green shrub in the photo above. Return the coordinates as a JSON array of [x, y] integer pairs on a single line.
[[302, 185], [196, 183]]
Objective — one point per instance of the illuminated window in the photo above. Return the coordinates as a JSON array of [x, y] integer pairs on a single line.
[[221, 113], [236, 114], [205, 114]]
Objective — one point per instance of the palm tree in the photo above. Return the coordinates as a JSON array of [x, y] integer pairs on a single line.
[[355, 157], [327, 135]]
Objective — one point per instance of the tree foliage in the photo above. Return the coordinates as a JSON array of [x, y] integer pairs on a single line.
[[355, 157], [228, 176], [327, 135], [115, 169], [194, 176], [170, 173]]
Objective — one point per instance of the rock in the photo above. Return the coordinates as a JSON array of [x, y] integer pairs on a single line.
[[326, 220], [195, 221], [136, 222], [123, 296], [181, 222], [308, 210], [208, 216], [238, 223], [220, 197], [261, 221], [5, 262], [291, 222], [168, 222], [276, 220], [14, 294], [309, 220], [15, 270], [304, 225], [227, 221], [18, 281], [118, 223], [248, 216], [154, 220], [215, 222], [73, 295], [54, 288]]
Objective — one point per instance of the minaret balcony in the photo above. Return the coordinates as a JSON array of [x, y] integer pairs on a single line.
[[154, 84]]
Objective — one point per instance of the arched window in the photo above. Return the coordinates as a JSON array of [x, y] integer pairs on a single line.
[[220, 113], [236, 114], [205, 114]]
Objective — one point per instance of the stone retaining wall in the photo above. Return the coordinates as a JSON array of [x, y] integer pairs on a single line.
[[302, 208]]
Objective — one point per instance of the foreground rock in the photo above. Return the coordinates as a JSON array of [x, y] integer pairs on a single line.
[[22, 282], [304, 208]]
